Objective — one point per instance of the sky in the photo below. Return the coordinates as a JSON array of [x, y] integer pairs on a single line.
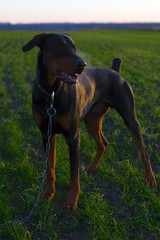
[[79, 11]]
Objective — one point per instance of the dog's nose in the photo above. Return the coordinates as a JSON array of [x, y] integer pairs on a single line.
[[80, 64]]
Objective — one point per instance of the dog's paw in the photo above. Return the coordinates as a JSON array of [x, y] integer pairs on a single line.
[[151, 181], [90, 169], [48, 192], [69, 207]]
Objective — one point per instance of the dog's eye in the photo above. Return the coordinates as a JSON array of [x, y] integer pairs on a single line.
[[62, 46], [59, 51]]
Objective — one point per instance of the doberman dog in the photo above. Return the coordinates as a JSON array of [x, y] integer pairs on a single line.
[[81, 93]]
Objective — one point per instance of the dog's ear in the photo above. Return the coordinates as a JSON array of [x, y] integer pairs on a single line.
[[36, 41]]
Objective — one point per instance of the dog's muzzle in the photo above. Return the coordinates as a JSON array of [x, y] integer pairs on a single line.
[[80, 65]]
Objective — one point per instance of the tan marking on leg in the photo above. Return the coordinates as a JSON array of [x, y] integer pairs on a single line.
[[144, 154], [135, 129], [51, 177], [94, 127], [71, 203]]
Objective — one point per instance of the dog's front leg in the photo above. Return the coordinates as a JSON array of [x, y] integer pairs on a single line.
[[51, 177], [74, 152]]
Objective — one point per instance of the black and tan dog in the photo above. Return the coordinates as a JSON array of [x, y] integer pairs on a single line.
[[80, 94]]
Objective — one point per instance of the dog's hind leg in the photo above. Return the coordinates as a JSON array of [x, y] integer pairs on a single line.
[[125, 105], [94, 127], [51, 177]]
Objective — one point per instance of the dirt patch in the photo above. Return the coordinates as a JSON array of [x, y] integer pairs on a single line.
[[79, 231], [112, 195]]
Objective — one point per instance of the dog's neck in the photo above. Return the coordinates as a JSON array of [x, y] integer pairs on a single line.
[[46, 80]]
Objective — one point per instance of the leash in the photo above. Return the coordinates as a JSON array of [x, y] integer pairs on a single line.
[[51, 111]]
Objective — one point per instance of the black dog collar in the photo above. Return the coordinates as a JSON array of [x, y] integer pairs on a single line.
[[44, 91]]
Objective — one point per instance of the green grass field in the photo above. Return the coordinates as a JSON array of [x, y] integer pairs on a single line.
[[114, 203]]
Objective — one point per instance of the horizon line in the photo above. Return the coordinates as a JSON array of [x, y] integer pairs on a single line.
[[136, 22]]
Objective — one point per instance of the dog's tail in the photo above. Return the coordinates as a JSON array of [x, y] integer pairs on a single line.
[[116, 64]]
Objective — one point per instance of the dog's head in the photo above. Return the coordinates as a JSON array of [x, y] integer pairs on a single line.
[[59, 55]]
